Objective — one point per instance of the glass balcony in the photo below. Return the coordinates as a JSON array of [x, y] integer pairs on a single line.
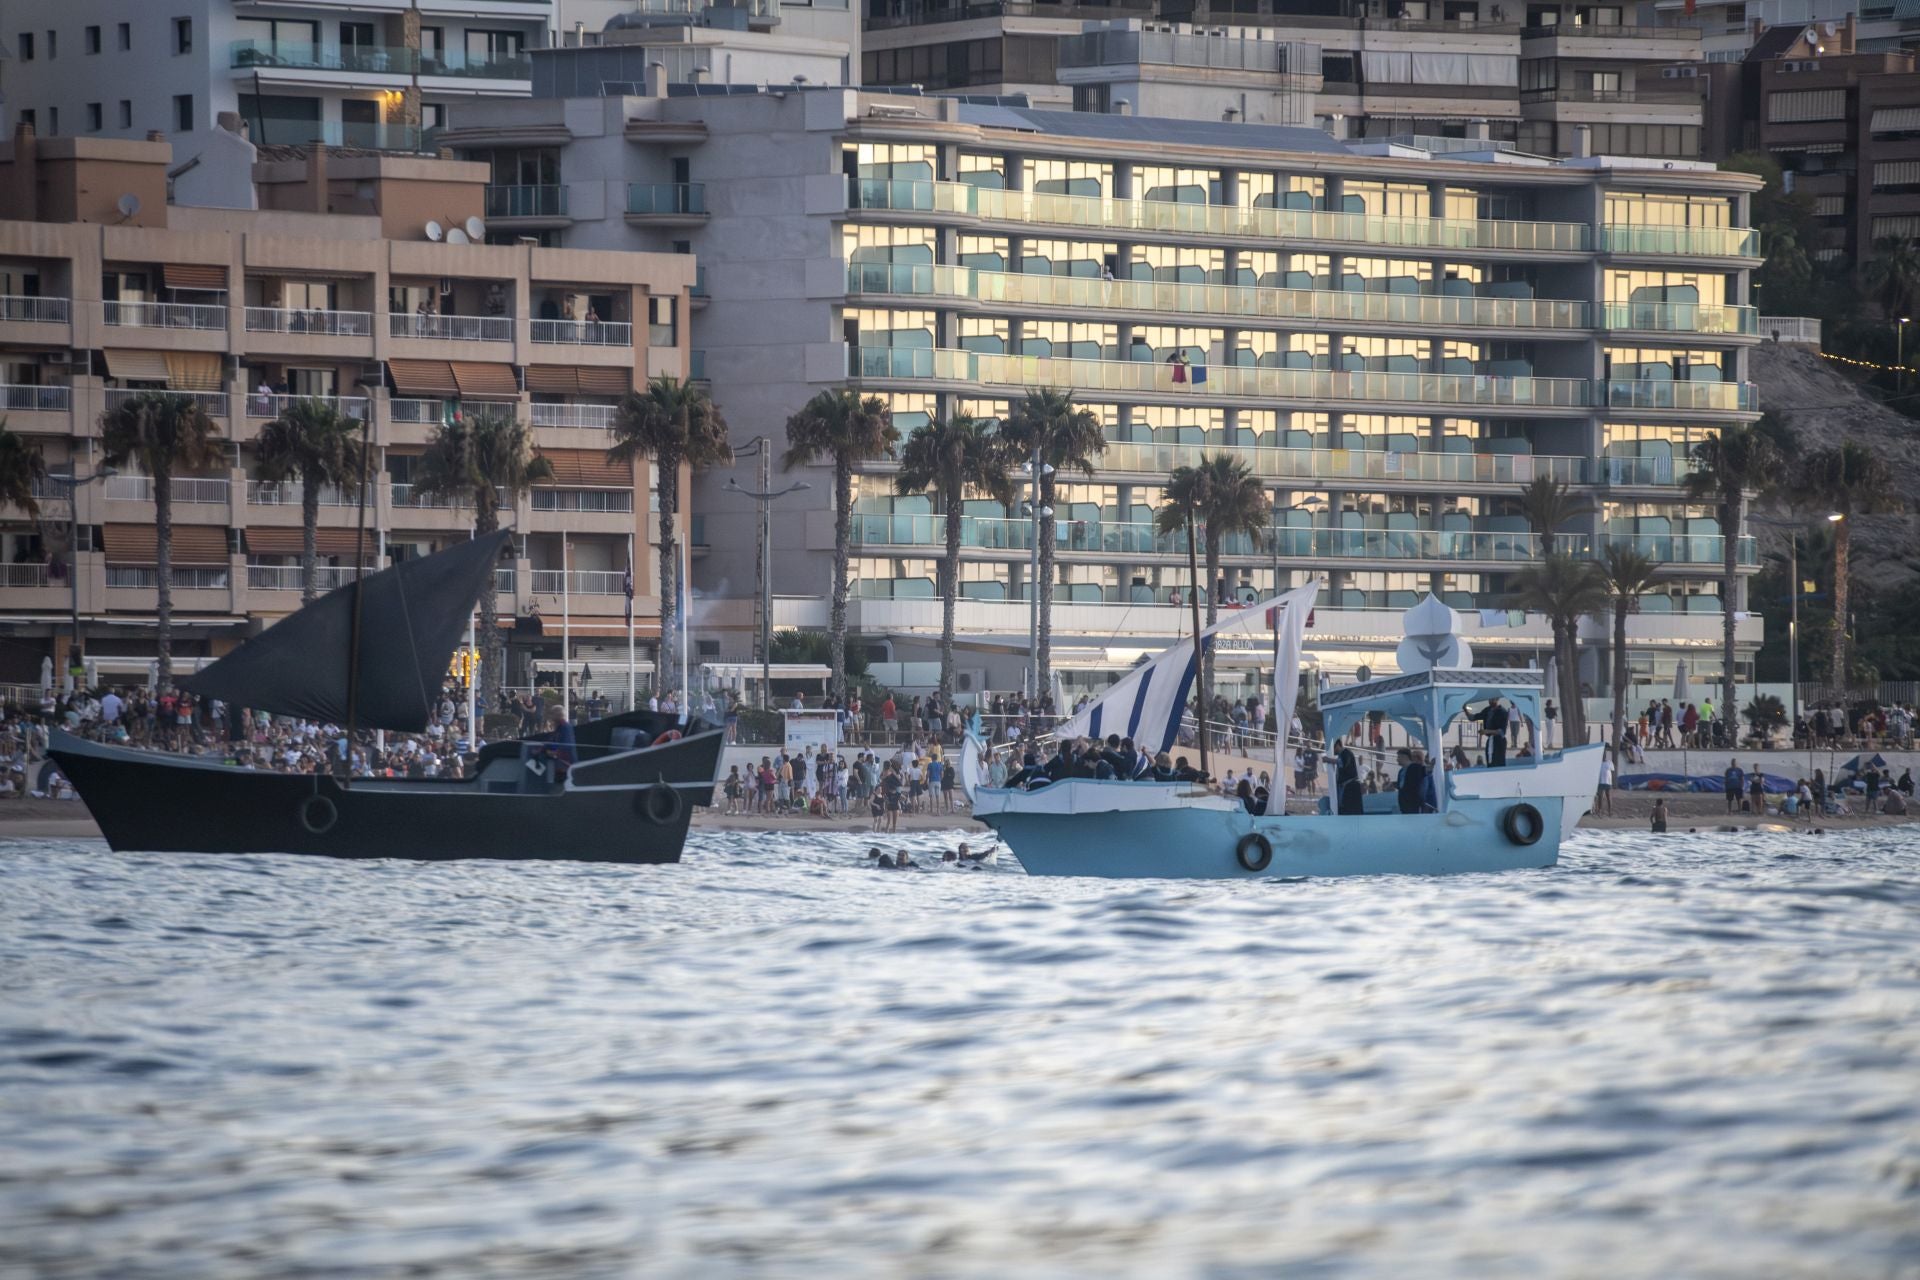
[[1685, 548], [22, 310], [526, 202], [1202, 382], [466, 64], [1697, 242], [1229, 301], [1351, 464], [583, 333], [1654, 393], [403, 324], [198, 490], [272, 406], [342, 324], [302, 56], [597, 417], [165, 315], [22, 398], [368, 137], [1223, 221], [1671, 317], [667, 198]]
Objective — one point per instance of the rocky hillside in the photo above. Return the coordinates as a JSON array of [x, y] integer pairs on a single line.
[[1825, 407]]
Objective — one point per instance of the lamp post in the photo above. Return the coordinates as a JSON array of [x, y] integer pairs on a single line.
[[1900, 353], [1793, 608], [762, 496], [1034, 469], [72, 486]]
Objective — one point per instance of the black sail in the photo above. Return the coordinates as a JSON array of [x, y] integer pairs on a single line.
[[412, 617]]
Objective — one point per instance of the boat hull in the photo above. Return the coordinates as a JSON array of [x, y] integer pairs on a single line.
[[1077, 831], [153, 802]]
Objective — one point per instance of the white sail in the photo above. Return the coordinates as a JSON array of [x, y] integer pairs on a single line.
[[1297, 606]]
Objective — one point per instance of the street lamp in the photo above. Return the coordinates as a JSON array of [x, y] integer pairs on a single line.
[[1034, 469], [762, 496], [1900, 353], [1793, 611], [72, 485]]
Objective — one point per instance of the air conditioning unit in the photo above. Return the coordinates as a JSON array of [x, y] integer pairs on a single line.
[[68, 358]]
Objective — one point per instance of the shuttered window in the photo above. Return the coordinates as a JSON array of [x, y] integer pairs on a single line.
[[1896, 120], [193, 544]]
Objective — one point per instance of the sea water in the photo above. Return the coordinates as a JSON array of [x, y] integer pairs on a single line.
[[1690, 1056]]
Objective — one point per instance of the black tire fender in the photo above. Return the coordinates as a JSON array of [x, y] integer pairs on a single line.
[[318, 814], [1523, 824], [661, 804], [1254, 851]]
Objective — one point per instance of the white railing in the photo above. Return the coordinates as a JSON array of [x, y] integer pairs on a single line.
[[581, 582], [23, 575], [188, 578], [25, 310], [425, 412], [503, 581], [263, 405], [584, 333], [213, 403], [263, 493], [1799, 330], [458, 328], [340, 324], [22, 398], [166, 315], [583, 500], [288, 577], [589, 416], [208, 490]]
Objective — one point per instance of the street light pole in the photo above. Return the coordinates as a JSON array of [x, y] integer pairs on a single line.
[[763, 496], [1035, 469], [71, 484], [1900, 354]]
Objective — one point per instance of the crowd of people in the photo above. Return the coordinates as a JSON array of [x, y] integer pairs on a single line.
[[916, 778]]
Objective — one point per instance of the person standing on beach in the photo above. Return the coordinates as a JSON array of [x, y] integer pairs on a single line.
[[1603, 798], [1736, 785], [1660, 816]]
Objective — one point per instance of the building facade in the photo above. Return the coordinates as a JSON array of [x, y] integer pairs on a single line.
[[1394, 340], [331, 290]]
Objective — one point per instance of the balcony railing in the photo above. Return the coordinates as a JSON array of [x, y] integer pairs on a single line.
[[584, 333], [1698, 242], [475, 66], [288, 577], [272, 406], [1652, 393], [416, 412], [581, 582], [1351, 464], [1600, 31], [21, 398], [342, 324], [1235, 301], [914, 363], [1226, 221], [262, 493], [403, 324], [23, 310], [652, 198], [404, 495], [503, 581], [542, 201], [1624, 97], [23, 575], [583, 500], [588, 416], [202, 490], [1681, 317], [403, 138], [213, 403], [188, 578], [300, 56], [165, 315]]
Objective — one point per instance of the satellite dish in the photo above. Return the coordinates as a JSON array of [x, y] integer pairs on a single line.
[[435, 232], [476, 229], [129, 205], [457, 236]]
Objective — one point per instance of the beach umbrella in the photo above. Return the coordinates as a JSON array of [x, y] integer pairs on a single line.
[[1861, 763], [586, 674], [1681, 692]]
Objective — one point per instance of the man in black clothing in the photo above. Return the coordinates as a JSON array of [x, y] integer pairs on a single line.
[[1493, 730], [1346, 779], [1413, 785], [1184, 772]]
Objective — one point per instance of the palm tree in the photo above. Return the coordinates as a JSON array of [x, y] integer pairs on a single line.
[[1629, 575], [1547, 504], [841, 426], [1739, 460], [1849, 480], [1893, 273], [157, 432], [670, 422], [1213, 500], [21, 465], [950, 458], [1566, 590], [313, 440], [1049, 426], [486, 460]]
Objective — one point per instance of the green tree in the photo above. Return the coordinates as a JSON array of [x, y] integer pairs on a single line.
[[1727, 467], [670, 422], [1565, 590], [1225, 499], [1788, 231], [1848, 480], [485, 459], [1548, 503], [21, 467], [1628, 575], [314, 441], [846, 429], [157, 432], [1893, 273], [950, 457], [1063, 435]]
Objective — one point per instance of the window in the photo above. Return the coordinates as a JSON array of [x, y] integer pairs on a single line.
[[25, 46], [96, 117], [484, 47], [183, 35], [126, 113], [183, 113], [53, 121], [1606, 82], [126, 36], [280, 40], [93, 39], [433, 44], [27, 118], [53, 44], [662, 331], [433, 115]]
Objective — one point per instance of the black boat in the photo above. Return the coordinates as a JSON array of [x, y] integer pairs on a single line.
[[628, 797]]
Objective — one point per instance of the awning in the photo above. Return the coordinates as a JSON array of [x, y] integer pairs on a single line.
[[193, 371], [567, 380], [476, 379], [326, 542], [137, 366], [587, 468], [423, 379], [192, 276], [139, 544], [1895, 120]]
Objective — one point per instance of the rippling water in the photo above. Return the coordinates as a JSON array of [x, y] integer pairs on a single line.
[[1698, 1056]]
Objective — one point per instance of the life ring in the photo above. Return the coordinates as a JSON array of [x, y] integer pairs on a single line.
[[1523, 824], [1255, 851], [318, 814], [661, 804], [671, 735]]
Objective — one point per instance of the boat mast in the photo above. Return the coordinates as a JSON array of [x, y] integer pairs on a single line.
[[1200, 697], [359, 577]]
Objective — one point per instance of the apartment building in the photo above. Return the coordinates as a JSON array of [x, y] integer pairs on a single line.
[[334, 289], [1393, 339], [1525, 74], [1729, 29]]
